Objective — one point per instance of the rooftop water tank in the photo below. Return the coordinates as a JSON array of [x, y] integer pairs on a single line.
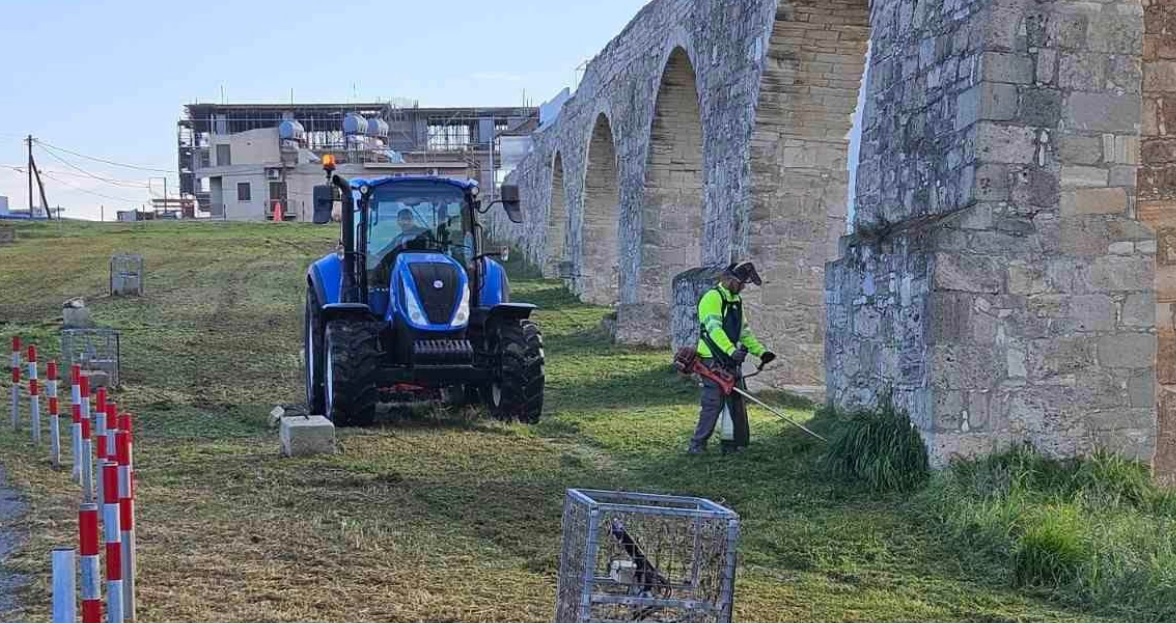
[[377, 127], [354, 123], [291, 130]]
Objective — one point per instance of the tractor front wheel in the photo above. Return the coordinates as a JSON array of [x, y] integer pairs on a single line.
[[352, 360], [517, 393]]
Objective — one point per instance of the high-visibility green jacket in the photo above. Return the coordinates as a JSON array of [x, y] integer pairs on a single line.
[[722, 325]]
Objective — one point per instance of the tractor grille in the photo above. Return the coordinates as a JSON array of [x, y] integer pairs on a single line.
[[437, 302]]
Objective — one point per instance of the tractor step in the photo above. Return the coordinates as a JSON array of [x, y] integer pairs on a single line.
[[426, 352]]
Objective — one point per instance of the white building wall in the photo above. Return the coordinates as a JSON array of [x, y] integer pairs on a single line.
[[254, 208]]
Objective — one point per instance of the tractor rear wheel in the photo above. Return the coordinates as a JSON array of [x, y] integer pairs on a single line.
[[349, 378], [517, 393], [312, 353]]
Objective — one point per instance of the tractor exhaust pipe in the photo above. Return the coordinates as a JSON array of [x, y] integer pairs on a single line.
[[348, 294]]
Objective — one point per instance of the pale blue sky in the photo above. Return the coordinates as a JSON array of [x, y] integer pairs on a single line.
[[108, 79]]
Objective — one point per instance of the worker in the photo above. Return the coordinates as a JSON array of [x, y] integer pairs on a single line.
[[409, 230], [724, 342]]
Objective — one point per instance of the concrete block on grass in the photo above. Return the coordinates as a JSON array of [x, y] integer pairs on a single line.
[[306, 435]]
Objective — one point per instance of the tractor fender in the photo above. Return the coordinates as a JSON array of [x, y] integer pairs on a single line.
[[495, 287], [510, 311], [324, 277]]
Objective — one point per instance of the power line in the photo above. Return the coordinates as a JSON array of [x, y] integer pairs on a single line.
[[112, 181], [88, 191], [103, 160]]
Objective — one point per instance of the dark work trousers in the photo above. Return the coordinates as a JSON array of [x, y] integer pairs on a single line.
[[712, 408]]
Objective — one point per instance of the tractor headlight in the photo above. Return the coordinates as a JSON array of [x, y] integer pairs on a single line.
[[463, 308], [415, 314]]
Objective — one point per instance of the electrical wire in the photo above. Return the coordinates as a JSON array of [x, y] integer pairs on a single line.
[[88, 191], [111, 181], [102, 160]]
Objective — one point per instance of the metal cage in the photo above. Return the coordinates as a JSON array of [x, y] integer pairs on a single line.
[[93, 349], [126, 275], [630, 557]]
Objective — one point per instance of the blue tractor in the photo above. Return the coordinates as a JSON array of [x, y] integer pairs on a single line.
[[412, 307]]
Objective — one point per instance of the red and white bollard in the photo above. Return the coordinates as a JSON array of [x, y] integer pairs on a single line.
[[100, 426], [54, 415], [126, 506], [91, 571], [16, 382], [110, 528], [111, 431], [87, 445], [34, 396], [75, 399]]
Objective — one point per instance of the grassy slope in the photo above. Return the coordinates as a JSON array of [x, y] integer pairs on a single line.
[[442, 517]]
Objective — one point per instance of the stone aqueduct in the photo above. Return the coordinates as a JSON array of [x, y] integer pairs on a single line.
[[1010, 270]]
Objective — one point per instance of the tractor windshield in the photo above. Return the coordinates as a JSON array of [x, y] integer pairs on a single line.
[[418, 216]]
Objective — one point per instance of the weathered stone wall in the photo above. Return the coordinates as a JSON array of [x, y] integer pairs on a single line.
[[729, 122], [1000, 279], [997, 280], [1157, 207]]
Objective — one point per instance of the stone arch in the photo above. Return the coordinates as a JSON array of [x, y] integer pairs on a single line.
[[808, 91], [557, 219], [599, 240], [672, 206]]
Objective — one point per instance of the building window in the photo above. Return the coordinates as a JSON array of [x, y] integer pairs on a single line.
[[224, 156], [444, 137], [244, 193]]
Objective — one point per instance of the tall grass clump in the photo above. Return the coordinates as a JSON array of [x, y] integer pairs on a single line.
[[879, 448], [1094, 532]]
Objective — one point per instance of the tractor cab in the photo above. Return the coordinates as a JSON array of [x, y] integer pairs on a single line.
[[413, 303]]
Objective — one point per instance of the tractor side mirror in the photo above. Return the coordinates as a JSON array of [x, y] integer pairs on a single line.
[[324, 200], [511, 203]]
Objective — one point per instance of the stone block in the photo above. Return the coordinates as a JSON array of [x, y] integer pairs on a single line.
[[1007, 67], [1103, 112], [1127, 350], [1122, 273], [1077, 176], [1080, 150], [1139, 310], [1094, 201], [306, 435], [644, 324], [966, 273], [1040, 107], [1005, 144]]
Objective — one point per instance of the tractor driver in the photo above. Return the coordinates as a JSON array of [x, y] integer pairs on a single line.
[[409, 230], [725, 340]]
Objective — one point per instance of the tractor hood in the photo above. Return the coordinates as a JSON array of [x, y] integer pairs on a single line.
[[429, 292]]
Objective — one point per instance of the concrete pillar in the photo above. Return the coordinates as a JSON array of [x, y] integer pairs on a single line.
[[996, 277]]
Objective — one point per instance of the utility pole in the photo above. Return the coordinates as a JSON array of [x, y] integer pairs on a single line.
[[29, 140], [165, 206]]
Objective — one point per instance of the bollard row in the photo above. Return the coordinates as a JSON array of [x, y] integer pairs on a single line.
[[101, 439]]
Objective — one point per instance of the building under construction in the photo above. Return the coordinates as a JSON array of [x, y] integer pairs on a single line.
[[260, 161]]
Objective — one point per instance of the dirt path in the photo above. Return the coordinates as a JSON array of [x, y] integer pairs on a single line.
[[11, 508]]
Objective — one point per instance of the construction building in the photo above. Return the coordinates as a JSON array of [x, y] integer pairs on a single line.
[[255, 161]]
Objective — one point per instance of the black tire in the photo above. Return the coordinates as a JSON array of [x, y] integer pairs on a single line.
[[517, 394], [350, 371], [312, 353]]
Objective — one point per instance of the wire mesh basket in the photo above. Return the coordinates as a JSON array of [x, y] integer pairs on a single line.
[[126, 275], [94, 349], [630, 557]]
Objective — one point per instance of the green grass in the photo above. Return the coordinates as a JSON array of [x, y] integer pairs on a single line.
[[446, 515], [880, 448], [1095, 533]]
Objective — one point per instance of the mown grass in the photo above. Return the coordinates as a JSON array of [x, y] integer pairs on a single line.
[[442, 516]]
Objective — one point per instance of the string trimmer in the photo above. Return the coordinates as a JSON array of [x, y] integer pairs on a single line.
[[687, 362]]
